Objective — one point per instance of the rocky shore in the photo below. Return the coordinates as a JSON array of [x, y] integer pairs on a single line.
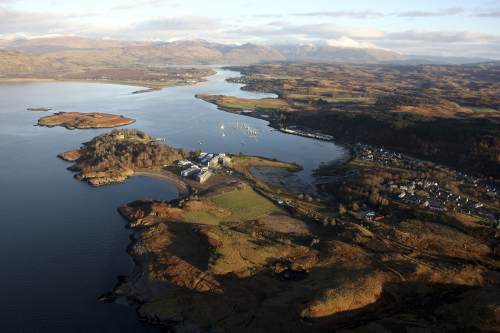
[[98, 178]]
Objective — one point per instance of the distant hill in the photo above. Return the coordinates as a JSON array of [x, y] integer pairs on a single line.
[[452, 60], [250, 52], [342, 50], [77, 42], [85, 51], [16, 62]]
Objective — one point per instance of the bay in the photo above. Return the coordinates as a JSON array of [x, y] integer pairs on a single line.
[[62, 241]]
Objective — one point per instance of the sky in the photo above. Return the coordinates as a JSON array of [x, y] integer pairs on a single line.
[[444, 28]]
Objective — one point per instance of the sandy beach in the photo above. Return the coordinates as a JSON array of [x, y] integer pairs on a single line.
[[179, 185]]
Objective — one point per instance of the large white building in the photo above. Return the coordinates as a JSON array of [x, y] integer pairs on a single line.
[[213, 162], [203, 176], [190, 171]]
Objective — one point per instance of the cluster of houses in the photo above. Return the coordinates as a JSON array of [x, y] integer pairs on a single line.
[[439, 199], [200, 169], [474, 181], [294, 130], [380, 155], [251, 78]]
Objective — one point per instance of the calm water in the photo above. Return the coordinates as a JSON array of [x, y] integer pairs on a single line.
[[62, 242]]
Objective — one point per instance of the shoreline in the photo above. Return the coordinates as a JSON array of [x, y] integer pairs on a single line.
[[182, 187], [151, 88]]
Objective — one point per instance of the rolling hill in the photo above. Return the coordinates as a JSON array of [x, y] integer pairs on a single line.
[[16, 62]]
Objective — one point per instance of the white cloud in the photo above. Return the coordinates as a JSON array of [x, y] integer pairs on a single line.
[[490, 14], [332, 31], [368, 14], [441, 12], [179, 23], [13, 21], [339, 14], [127, 5]]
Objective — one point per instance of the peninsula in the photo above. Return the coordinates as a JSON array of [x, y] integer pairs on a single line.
[[112, 157], [240, 255], [236, 258], [72, 120]]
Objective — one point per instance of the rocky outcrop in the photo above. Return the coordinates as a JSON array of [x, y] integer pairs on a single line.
[[98, 178]]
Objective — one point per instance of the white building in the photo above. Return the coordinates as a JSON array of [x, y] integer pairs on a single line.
[[213, 162], [226, 161], [203, 176], [190, 171]]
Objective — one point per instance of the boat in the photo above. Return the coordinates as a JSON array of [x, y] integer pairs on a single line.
[[221, 125], [242, 142]]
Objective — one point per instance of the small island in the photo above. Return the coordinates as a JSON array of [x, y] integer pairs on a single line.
[[39, 109], [72, 120]]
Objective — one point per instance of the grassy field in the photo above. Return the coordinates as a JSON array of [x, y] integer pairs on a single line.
[[243, 103], [242, 205], [174, 169]]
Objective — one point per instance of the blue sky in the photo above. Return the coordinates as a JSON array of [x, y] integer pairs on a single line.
[[458, 28]]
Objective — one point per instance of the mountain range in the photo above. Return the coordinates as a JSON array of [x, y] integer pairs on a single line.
[[75, 50]]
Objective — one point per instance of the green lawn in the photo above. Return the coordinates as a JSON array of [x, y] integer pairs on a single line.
[[243, 205]]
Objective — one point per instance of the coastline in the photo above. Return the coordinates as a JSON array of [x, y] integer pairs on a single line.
[[123, 83], [182, 187]]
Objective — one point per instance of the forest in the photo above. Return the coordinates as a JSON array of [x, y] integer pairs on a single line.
[[471, 144], [127, 148]]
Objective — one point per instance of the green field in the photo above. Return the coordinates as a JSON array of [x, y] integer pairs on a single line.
[[243, 205]]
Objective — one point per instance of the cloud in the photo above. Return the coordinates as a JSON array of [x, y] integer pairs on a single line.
[[490, 14], [128, 5], [325, 30], [180, 23], [331, 31], [339, 14], [441, 12], [13, 21], [149, 3], [267, 15], [486, 50], [81, 15], [155, 3], [368, 14], [443, 36]]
